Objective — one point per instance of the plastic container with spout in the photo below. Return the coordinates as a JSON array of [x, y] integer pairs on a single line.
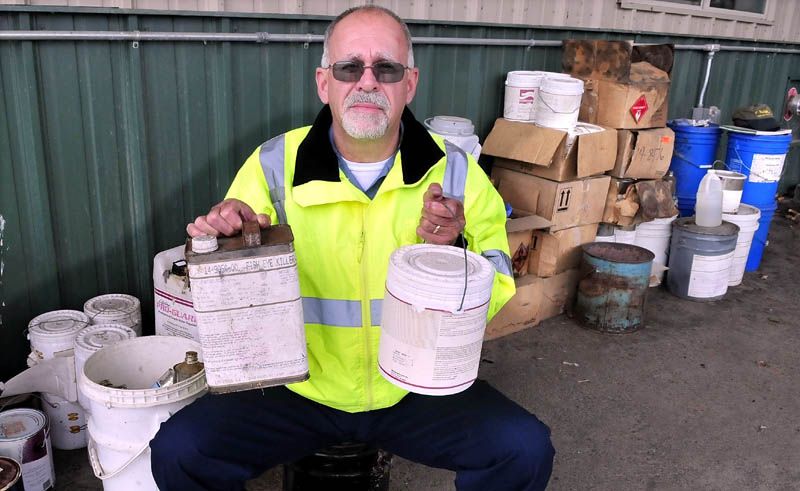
[[708, 207]]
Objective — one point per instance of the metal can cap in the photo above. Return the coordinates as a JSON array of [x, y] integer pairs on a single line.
[[204, 243]]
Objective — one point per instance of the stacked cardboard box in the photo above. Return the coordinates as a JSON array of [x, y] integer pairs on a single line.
[[547, 174], [627, 89]]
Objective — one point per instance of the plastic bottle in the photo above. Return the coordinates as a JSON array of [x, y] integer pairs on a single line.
[[708, 208]]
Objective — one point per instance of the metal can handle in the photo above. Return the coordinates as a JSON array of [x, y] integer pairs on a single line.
[[251, 234]]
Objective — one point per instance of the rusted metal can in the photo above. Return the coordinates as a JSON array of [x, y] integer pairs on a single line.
[[613, 292], [246, 293]]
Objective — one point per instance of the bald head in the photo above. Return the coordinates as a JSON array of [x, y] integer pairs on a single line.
[[325, 62]]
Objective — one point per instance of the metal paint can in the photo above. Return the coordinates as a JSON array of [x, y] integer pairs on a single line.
[[10, 475], [25, 437], [246, 293], [613, 292]]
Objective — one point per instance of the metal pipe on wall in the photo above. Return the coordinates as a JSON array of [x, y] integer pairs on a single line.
[[266, 37]]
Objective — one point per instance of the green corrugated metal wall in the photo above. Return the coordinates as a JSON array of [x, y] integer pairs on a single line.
[[107, 150]]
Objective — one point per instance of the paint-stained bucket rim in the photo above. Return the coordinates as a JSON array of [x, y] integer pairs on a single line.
[[643, 255]]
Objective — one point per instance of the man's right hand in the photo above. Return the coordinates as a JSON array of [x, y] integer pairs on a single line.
[[226, 218]]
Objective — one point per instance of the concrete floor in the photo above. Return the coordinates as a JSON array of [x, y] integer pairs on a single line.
[[704, 397]]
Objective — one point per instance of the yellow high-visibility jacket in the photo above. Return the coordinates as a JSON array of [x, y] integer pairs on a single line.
[[343, 240]]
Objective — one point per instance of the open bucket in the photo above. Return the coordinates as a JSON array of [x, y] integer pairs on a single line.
[[746, 218], [732, 186], [126, 412]]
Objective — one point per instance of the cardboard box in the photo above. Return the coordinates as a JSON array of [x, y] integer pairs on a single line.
[[564, 204], [558, 293], [549, 153], [519, 231], [555, 252], [536, 299], [629, 202], [625, 86], [521, 312], [644, 154]]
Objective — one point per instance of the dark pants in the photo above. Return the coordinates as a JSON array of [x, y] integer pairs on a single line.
[[220, 441]]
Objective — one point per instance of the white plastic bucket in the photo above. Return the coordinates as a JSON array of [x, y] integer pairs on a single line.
[[123, 421], [430, 338], [115, 308], [174, 309], [458, 131], [655, 236], [67, 422], [24, 437], [624, 235], [520, 94], [732, 187], [91, 339], [605, 233], [558, 102], [54, 331], [747, 219]]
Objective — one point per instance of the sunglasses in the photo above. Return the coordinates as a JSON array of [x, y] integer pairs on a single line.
[[383, 71]]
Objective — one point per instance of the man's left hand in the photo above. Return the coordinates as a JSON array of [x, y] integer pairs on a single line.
[[437, 224]]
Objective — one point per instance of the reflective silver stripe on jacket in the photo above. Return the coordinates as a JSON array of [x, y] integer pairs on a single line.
[[271, 156], [455, 173], [341, 313], [330, 312], [500, 261]]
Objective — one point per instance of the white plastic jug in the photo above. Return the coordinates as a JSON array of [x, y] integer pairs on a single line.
[[708, 208]]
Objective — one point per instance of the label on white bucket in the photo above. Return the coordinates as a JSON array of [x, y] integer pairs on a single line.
[[518, 103], [766, 167], [709, 275], [430, 352], [250, 319]]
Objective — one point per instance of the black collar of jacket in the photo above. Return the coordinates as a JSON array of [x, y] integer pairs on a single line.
[[316, 160]]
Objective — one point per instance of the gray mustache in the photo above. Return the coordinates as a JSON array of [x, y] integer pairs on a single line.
[[369, 97]]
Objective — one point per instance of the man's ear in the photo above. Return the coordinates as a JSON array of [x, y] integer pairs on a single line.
[[322, 84], [413, 77]]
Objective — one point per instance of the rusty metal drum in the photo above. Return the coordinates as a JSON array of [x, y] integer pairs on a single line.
[[613, 292]]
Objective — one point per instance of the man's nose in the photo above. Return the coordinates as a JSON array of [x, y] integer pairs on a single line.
[[368, 83]]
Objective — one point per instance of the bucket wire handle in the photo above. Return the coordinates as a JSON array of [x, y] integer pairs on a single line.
[[466, 268], [544, 101]]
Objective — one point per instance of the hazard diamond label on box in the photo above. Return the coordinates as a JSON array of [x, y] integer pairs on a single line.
[[639, 108]]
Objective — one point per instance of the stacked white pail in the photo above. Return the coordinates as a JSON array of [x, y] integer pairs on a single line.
[[115, 308], [746, 218], [655, 236], [50, 334], [91, 339], [558, 102]]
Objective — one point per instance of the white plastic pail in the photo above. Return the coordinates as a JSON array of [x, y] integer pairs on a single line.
[[51, 333], [174, 309], [122, 421], [67, 422], [747, 219], [558, 102], [91, 339], [520, 94], [54, 331], [458, 131], [732, 187], [654, 236], [24, 437], [605, 233], [430, 338], [115, 308], [624, 235]]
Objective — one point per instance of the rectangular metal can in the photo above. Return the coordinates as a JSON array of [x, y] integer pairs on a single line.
[[249, 310]]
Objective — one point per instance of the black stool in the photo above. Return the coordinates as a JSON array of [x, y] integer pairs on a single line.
[[350, 466]]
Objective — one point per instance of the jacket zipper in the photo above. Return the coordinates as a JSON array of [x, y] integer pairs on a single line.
[[366, 320]]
